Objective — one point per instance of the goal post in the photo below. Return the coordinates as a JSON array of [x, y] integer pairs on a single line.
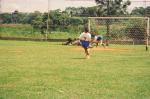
[[147, 32], [121, 30]]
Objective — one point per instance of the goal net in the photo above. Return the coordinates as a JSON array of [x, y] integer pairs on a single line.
[[121, 30]]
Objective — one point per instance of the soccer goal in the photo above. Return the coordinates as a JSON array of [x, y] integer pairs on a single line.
[[121, 30]]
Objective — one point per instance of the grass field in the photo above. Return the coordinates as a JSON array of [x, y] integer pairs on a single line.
[[48, 70]]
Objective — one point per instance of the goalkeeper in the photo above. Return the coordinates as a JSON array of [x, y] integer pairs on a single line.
[[98, 39]]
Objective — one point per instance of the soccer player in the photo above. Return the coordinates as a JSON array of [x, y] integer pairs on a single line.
[[85, 39], [99, 39]]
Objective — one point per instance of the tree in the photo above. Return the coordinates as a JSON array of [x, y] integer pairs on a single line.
[[32, 16], [72, 11], [92, 11], [140, 11], [148, 11], [112, 7], [5, 18]]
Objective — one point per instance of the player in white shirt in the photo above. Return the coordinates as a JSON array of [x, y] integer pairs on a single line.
[[85, 39]]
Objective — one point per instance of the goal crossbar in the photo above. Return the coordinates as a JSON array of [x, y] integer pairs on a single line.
[[118, 17]]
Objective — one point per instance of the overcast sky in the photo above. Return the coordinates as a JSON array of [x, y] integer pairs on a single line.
[[42, 5]]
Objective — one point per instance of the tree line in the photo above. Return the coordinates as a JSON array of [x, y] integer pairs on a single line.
[[71, 16]]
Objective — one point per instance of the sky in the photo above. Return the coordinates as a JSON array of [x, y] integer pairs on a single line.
[[42, 5]]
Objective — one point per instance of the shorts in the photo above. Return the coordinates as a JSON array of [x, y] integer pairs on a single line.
[[85, 44]]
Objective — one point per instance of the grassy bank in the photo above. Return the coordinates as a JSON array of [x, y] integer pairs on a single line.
[[26, 31]]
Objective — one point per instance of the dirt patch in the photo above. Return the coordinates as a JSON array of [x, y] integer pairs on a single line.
[[101, 49]]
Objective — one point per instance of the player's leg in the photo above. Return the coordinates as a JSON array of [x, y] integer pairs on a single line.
[[87, 52], [97, 43], [85, 45], [102, 43]]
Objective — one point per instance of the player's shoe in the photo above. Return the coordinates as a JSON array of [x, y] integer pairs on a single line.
[[88, 57]]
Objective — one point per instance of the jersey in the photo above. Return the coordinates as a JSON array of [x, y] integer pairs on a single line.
[[85, 36]]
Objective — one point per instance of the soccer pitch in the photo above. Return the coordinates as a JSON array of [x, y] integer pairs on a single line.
[[48, 70]]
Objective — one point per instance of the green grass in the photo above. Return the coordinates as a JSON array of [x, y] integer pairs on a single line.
[[63, 35], [47, 70], [17, 30], [26, 31]]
